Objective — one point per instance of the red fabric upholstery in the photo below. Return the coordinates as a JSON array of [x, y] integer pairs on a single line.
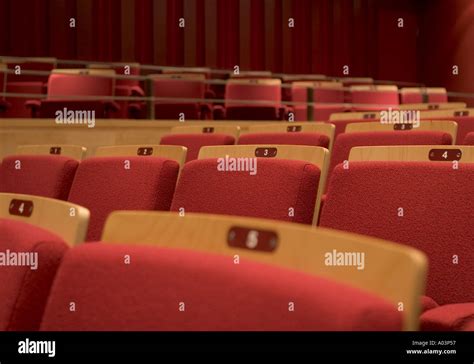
[[40, 175], [469, 139], [427, 303], [24, 290], [259, 102], [417, 98], [60, 85], [314, 139], [194, 142], [374, 98], [346, 141], [75, 85], [465, 125], [277, 186], [171, 89], [103, 185], [437, 207], [455, 317], [17, 107], [148, 294], [325, 102]]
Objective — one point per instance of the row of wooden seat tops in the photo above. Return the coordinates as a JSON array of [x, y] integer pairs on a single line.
[[327, 129], [73, 231]]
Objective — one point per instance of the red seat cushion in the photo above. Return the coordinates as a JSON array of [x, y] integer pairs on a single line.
[[177, 289], [103, 185], [469, 139], [437, 217], [346, 141], [312, 139], [455, 317], [278, 186], [24, 290], [194, 142], [40, 175], [427, 303], [465, 125]]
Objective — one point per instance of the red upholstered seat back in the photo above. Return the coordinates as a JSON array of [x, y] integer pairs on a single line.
[[180, 88], [171, 90], [324, 99], [104, 184], [469, 139], [437, 203], [277, 186], [313, 139], [40, 175], [264, 94], [320, 95], [17, 107], [417, 98], [60, 85], [374, 97], [181, 290], [24, 290], [346, 141], [194, 142]]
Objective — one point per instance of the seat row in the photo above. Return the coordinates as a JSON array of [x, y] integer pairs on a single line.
[[109, 93], [420, 196], [161, 271]]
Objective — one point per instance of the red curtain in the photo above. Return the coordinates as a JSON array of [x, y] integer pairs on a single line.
[[327, 34]]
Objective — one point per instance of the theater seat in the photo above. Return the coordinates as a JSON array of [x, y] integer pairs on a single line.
[[196, 137], [106, 184], [415, 95], [34, 235], [381, 135], [462, 116], [183, 277], [190, 88], [25, 288], [41, 175], [252, 99], [218, 297], [206, 186], [379, 97], [393, 193], [73, 88], [66, 220]]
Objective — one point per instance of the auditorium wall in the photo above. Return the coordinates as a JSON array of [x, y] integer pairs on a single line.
[[254, 34]]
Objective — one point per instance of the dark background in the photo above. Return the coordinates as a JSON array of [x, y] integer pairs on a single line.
[[254, 34]]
